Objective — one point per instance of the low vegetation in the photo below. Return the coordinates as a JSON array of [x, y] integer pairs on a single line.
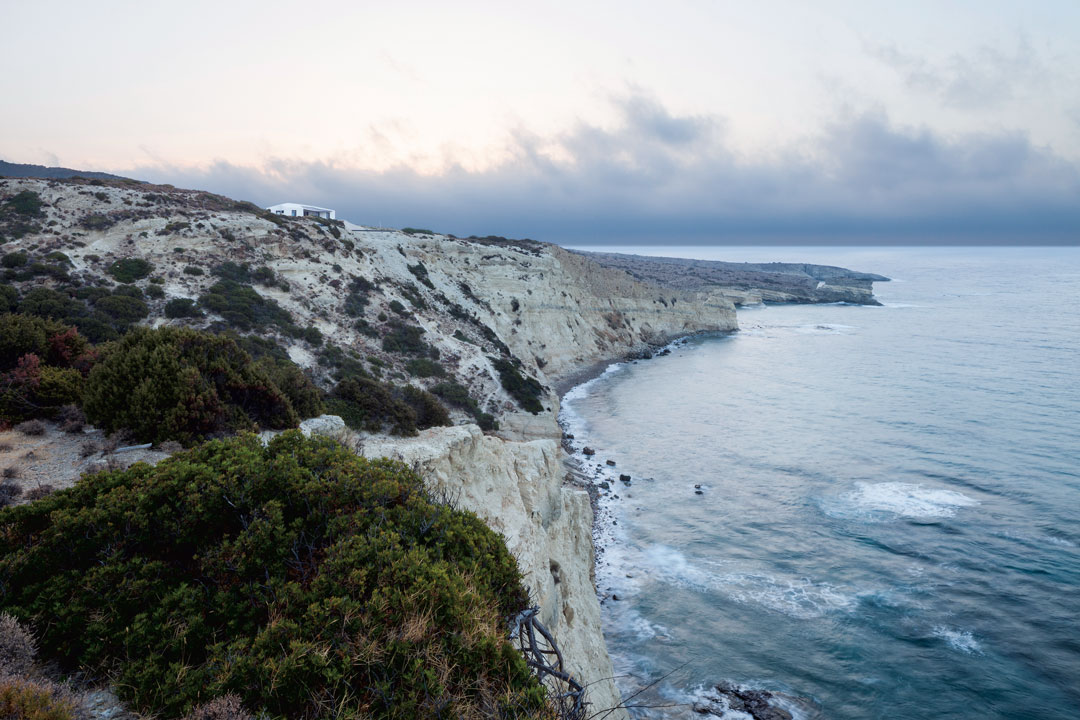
[[457, 395], [525, 390], [181, 384], [367, 404], [304, 580]]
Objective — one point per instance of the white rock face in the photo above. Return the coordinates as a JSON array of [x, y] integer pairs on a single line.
[[517, 489], [328, 425]]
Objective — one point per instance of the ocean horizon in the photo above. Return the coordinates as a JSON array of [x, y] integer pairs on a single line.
[[866, 511]]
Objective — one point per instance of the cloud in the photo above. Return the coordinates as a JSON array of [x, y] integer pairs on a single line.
[[655, 176], [982, 79]]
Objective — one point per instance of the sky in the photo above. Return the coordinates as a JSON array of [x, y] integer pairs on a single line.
[[682, 122]]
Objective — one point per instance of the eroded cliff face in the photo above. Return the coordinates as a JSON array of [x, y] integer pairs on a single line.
[[517, 488], [555, 312]]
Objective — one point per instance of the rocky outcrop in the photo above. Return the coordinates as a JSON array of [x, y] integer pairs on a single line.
[[517, 488]]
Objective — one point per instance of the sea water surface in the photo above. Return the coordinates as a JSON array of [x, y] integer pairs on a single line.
[[889, 517]]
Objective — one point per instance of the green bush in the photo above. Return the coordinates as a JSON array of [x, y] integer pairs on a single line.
[[304, 396], [456, 395], [308, 581], [123, 310], [9, 298], [429, 411], [245, 309], [230, 270], [182, 307], [42, 366], [26, 202], [406, 339], [180, 384], [366, 404], [420, 272], [524, 389], [397, 307], [423, 367], [155, 291], [193, 270], [129, 270], [14, 259], [357, 299]]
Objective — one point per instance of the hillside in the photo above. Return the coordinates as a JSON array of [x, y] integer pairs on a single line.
[[401, 308]]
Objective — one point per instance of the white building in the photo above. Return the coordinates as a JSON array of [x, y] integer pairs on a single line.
[[298, 210]]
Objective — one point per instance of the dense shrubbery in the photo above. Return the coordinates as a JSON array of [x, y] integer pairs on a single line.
[[407, 339], [357, 299], [420, 273], [307, 580], [524, 389], [181, 308], [43, 365], [456, 395], [366, 404], [424, 367], [129, 270], [180, 384], [244, 309]]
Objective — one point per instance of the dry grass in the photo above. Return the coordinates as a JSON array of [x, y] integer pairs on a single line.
[[17, 647], [33, 428], [226, 707]]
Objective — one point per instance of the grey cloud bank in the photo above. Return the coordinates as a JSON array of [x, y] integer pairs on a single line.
[[656, 177]]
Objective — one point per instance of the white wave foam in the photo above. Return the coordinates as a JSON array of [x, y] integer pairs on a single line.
[[826, 329], [961, 640], [901, 499], [800, 597]]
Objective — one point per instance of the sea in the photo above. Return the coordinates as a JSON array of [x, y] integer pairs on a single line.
[[868, 512]]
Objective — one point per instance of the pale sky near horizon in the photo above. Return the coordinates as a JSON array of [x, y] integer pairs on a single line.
[[620, 119]]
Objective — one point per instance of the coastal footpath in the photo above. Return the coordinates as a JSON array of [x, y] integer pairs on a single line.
[[508, 324]]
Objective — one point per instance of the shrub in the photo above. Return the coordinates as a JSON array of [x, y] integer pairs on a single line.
[[128, 290], [420, 272], [155, 291], [312, 335], [416, 231], [397, 307], [42, 365], [264, 276], [193, 270], [357, 299], [423, 367], [181, 307], [26, 202], [429, 411], [180, 384], [406, 339], [97, 221], [14, 259], [298, 576], [27, 699], [123, 310], [303, 395], [366, 404], [524, 389], [456, 395], [129, 270], [17, 647], [230, 270], [244, 309], [34, 428], [38, 492], [9, 492], [52, 342], [226, 707], [9, 298]]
